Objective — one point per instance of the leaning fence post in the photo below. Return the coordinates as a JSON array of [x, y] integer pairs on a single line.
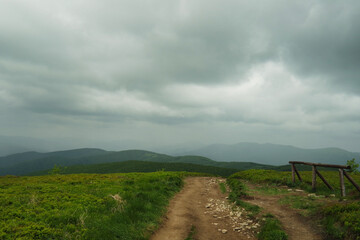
[[342, 185], [313, 177], [297, 173], [352, 181], [323, 179]]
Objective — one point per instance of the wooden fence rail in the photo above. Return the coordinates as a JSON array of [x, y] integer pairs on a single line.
[[315, 172]]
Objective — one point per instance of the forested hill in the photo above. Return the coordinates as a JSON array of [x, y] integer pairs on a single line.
[[138, 166], [24, 163]]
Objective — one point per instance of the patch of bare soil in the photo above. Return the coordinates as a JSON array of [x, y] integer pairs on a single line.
[[294, 224], [201, 204]]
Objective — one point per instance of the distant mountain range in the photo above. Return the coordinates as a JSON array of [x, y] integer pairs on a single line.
[[240, 156], [272, 154], [17, 144]]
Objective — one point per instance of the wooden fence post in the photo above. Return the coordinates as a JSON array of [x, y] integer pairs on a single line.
[[293, 172], [313, 177], [315, 172], [342, 185]]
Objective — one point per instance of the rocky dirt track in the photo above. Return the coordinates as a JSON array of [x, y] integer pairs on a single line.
[[202, 205]]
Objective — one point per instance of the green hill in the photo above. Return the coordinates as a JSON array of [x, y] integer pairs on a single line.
[[21, 164], [141, 166], [14, 159]]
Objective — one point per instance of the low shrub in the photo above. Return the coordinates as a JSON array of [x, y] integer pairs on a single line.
[[341, 220]]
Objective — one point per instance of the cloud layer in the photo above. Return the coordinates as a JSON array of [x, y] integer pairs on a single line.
[[181, 71]]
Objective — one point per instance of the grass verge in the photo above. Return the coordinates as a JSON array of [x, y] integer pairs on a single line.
[[238, 191], [271, 229], [269, 189], [222, 187]]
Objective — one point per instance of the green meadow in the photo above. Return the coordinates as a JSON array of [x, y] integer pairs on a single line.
[[85, 206]]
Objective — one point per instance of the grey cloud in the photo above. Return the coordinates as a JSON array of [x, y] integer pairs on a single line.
[[325, 43], [180, 63]]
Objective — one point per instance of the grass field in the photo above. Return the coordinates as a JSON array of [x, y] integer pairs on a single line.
[[284, 178], [340, 218], [85, 206]]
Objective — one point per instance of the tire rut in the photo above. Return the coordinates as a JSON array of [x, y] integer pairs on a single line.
[[294, 224]]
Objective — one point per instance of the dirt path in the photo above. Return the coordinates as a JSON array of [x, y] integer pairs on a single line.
[[202, 205], [294, 224]]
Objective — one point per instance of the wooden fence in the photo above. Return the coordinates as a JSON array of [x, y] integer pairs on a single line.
[[315, 172]]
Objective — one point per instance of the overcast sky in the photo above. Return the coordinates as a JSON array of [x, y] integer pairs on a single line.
[[145, 74]]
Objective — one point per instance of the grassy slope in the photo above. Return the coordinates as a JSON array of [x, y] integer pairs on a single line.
[[285, 178], [141, 166], [85, 206], [340, 219]]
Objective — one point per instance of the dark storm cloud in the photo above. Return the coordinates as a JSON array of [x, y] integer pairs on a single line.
[[135, 45]]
